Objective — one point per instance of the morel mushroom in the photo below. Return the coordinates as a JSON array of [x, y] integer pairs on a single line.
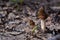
[[42, 15], [33, 26], [31, 23]]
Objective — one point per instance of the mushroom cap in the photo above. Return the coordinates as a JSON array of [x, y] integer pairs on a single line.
[[41, 13]]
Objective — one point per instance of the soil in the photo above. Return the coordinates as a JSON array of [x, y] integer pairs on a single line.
[[14, 21]]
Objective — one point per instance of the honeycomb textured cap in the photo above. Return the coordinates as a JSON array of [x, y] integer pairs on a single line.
[[42, 14]]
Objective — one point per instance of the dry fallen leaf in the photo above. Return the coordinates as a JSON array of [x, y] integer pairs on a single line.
[[32, 23]]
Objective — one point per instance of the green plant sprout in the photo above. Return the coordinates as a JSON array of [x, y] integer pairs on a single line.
[[35, 28], [17, 1]]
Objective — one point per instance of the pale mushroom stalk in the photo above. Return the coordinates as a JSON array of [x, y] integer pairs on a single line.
[[43, 25]]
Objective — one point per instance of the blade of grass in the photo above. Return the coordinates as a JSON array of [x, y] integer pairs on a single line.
[[33, 30]]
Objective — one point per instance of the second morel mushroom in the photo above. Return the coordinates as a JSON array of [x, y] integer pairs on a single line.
[[32, 23], [42, 15], [33, 26]]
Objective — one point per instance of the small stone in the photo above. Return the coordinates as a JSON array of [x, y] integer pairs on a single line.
[[11, 16], [27, 29], [14, 11], [4, 8]]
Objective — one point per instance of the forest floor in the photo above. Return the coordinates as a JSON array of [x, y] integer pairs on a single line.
[[14, 23]]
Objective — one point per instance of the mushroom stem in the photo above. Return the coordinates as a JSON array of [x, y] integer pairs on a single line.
[[43, 25]]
